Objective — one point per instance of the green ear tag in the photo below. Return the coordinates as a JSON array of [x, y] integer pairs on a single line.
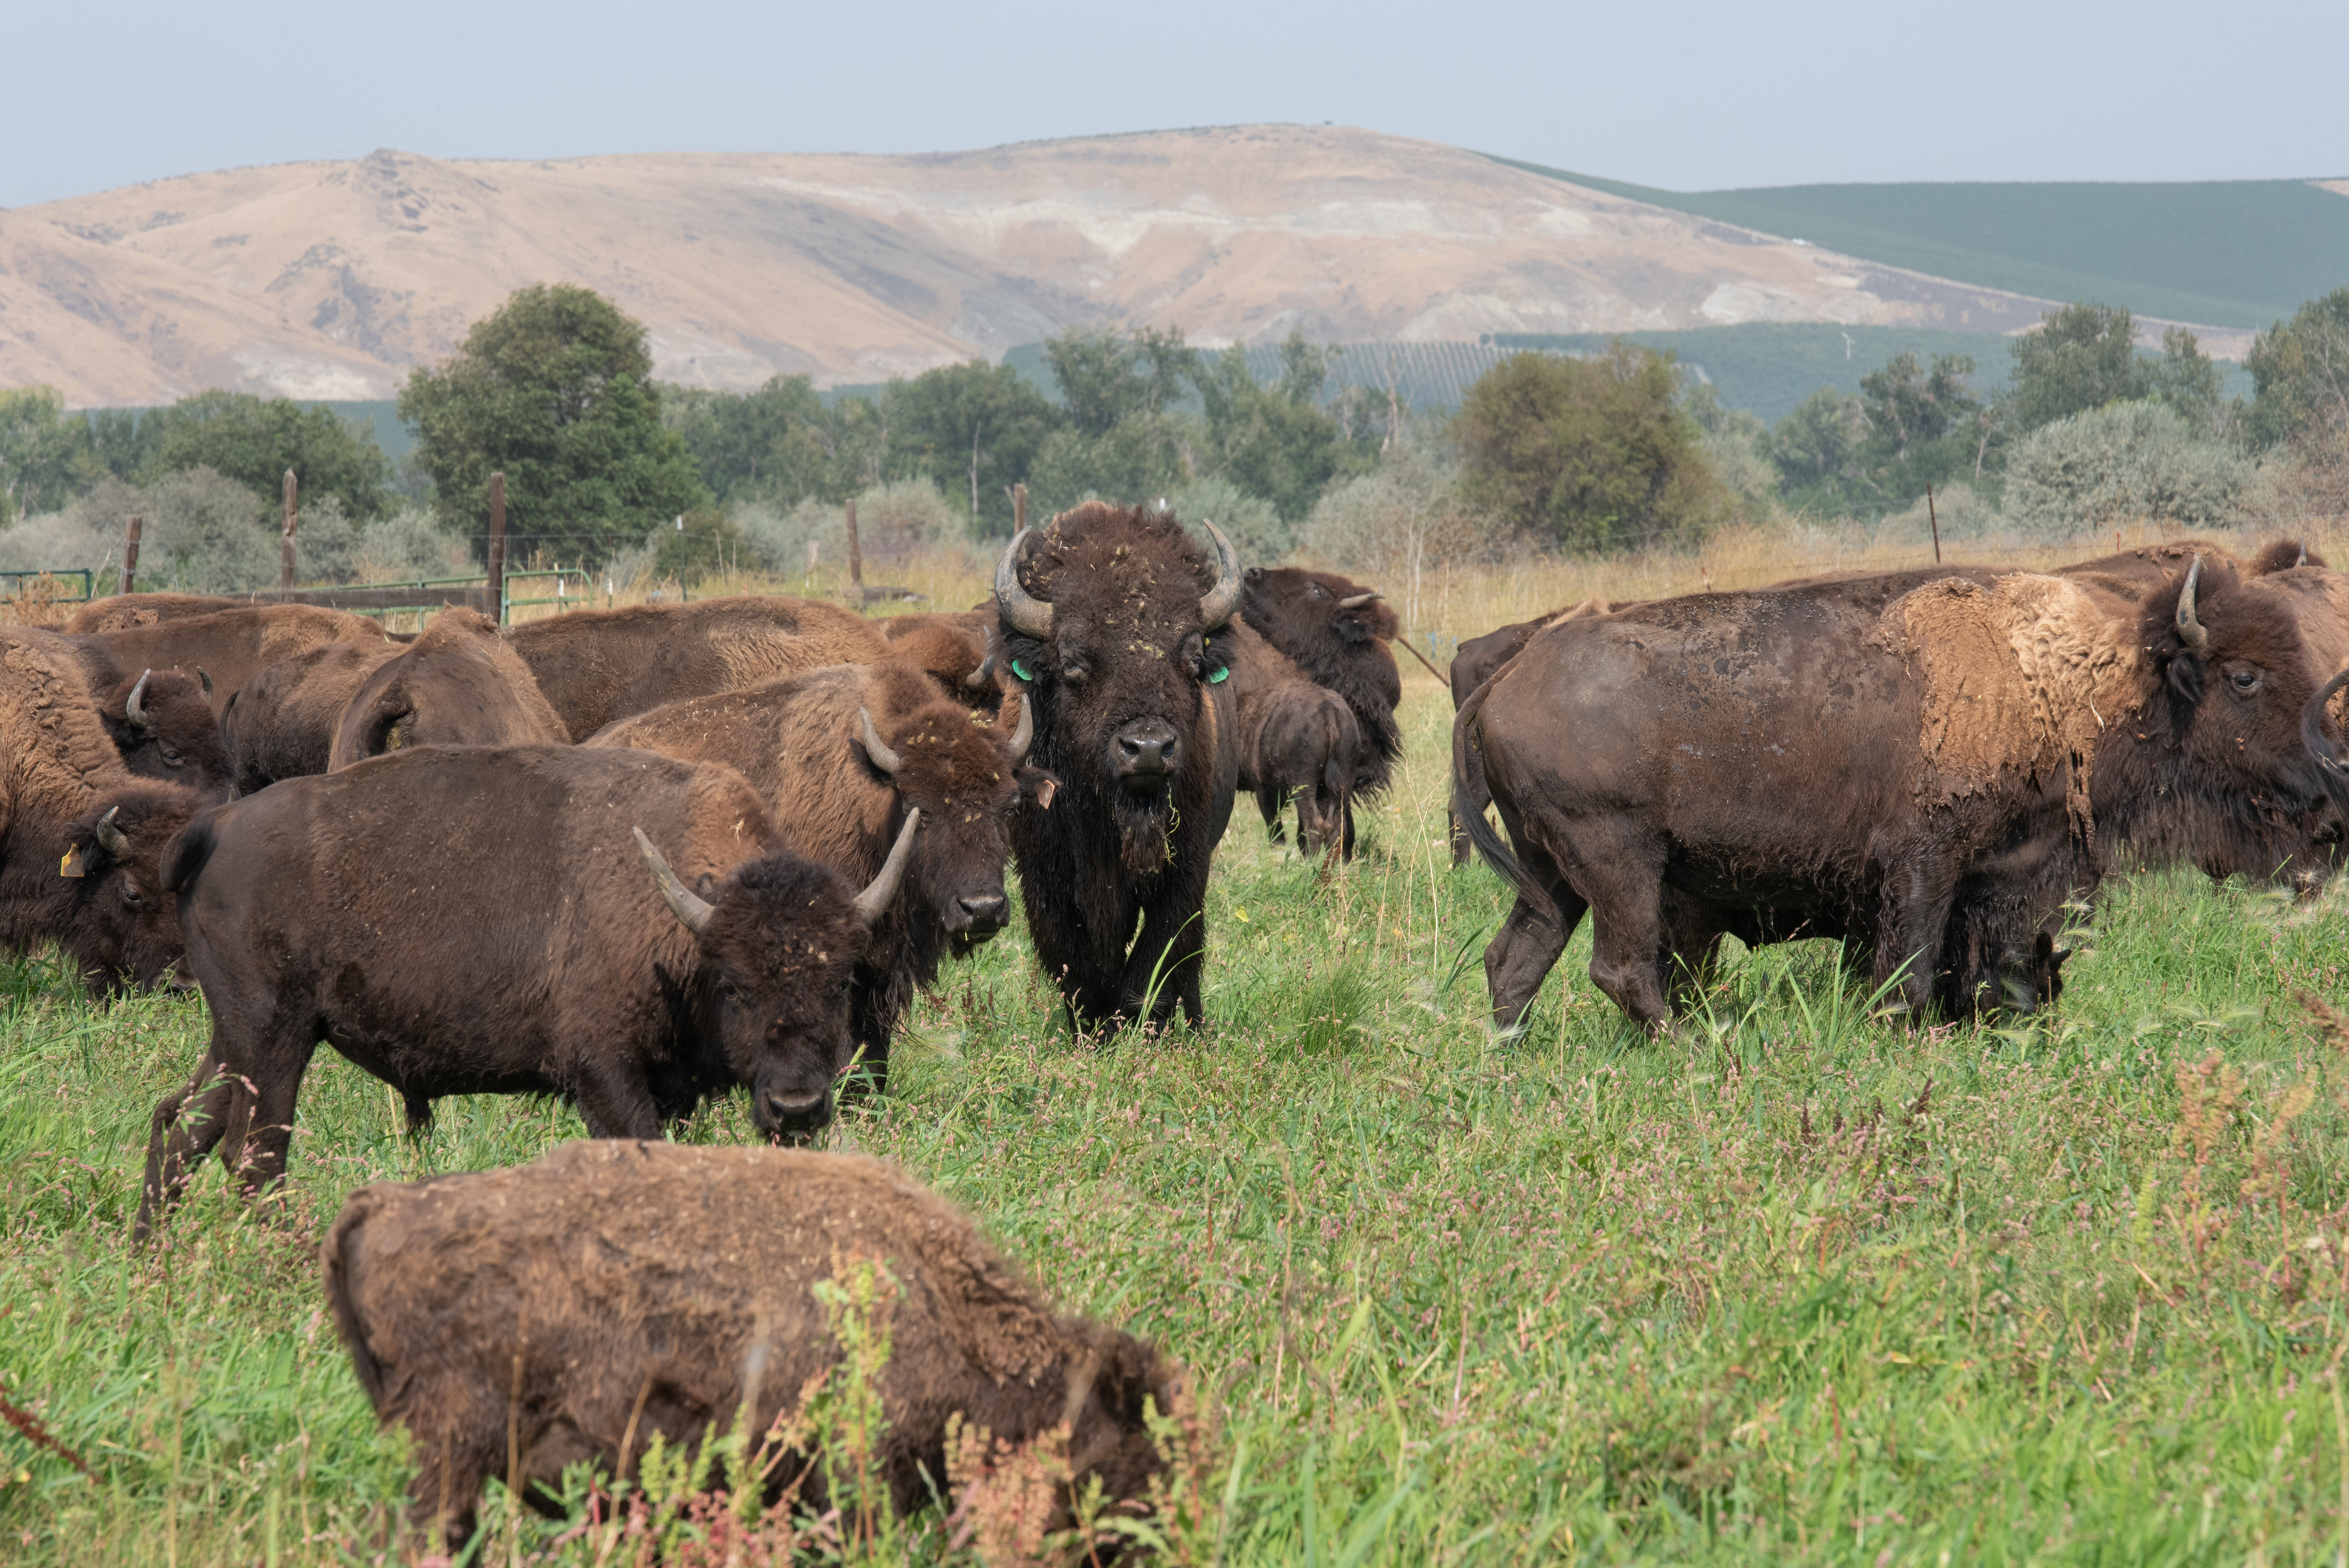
[[1220, 676], [1018, 670]]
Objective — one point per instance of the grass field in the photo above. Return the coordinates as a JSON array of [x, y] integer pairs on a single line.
[[1793, 1285]]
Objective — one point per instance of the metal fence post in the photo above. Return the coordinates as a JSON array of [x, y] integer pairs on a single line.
[[130, 550], [498, 546]]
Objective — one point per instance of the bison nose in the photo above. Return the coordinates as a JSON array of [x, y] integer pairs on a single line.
[[979, 912], [791, 1115], [1146, 749]]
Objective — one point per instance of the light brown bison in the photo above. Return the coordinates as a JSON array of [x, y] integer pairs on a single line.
[[228, 647], [281, 723], [841, 755], [565, 1311], [598, 666], [121, 611], [459, 684], [505, 920], [1298, 741]]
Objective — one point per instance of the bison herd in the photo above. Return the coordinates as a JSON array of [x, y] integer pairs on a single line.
[[644, 857]]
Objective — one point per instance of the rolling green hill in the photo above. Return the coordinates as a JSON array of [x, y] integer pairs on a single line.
[[2242, 253]]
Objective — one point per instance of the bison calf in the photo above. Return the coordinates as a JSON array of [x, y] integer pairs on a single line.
[[567, 1310], [1298, 741], [481, 920]]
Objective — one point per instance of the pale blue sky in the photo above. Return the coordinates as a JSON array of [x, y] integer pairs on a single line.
[[1670, 93]]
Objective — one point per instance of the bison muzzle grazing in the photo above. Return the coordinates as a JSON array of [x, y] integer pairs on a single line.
[[1105, 625], [614, 926], [565, 1311]]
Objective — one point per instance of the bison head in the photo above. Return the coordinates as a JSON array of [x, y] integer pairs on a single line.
[[456, 685], [109, 910], [965, 780], [162, 724], [778, 940], [1105, 624]]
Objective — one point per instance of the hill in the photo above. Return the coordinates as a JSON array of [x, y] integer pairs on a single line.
[[2240, 253], [329, 279]]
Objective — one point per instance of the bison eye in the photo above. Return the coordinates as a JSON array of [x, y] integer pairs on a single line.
[[2246, 681], [1074, 670], [131, 893]]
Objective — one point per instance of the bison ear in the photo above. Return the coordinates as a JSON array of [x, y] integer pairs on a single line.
[[2185, 675], [1037, 785]]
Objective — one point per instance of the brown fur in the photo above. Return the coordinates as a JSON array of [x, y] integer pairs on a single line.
[[1298, 741], [122, 611], [1298, 612], [231, 646], [598, 666], [281, 723], [798, 743], [952, 645], [459, 684], [663, 1286], [180, 743]]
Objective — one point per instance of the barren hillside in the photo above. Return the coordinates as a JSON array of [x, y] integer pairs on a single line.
[[330, 279]]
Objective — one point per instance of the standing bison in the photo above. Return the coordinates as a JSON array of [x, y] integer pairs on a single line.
[[1298, 741], [569, 1310], [1340, 633], [480, 920], [1106, 617]]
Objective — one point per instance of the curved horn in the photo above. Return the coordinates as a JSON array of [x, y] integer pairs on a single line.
[[2311, 731], [1216, 604], [2190, 630], [1029, 615], [692, 912], [1358, 600], [882, 758], [1025, 731], [874, 900], [110, 838], [134, 709], [206, 680], [980, 678]]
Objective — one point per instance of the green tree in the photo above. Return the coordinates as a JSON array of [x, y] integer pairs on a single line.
[[2189, 381], [2080, 356], [774, 445], [1924, 427], [973, 430], [2300, 373], [555, 389], [1277, 441], [1817, 447], [45, 456], [1124, 436], [1595, 453], [242, 438]]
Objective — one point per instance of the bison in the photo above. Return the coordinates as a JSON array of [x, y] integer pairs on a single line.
[[1106, 616], [841, 755], [456, 685], [598, 666], [475, 920], [164, 728], [956, 646], [1297, 741], [228, 647], [121, 611], [1935, 777], [1340, 633], [281, 723], [523, 1321]]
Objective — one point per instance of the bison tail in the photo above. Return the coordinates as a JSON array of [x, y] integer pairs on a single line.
[[1470, 794], [336, 1256], [185, 855]]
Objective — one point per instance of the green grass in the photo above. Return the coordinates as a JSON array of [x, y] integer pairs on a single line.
[[2226, 252], [1794, 1286]]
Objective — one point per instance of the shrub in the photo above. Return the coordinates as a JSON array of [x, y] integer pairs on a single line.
[[2127, 461], [1250, 523], [1398, 522], [406, 546]]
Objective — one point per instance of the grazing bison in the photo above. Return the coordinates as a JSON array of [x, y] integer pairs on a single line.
[[456, 685], [1105, 625], [1934, 777], [228, 647], [487, 919], [566, 1311], [1297, 741], [598, 666], [80, 836], [956, 647], [841, 755], [165, 729], [281, 723]]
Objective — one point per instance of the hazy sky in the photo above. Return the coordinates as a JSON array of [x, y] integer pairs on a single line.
[[1665, 92]]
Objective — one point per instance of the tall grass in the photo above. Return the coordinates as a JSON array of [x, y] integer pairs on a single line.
[[1793, 1284]]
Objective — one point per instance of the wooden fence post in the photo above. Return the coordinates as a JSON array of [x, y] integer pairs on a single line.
[[855, 553], [285, 539], [130, 550], [497, 551], [1018, 509]]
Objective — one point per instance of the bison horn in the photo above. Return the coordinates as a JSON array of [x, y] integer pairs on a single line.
[[2311, 731], [882, 758], [2190, 630], [978, 678], [1030, 617], [1358, 600], [110, 838], [1025, 731], [2303, 554], [874, 900], [206, 680], [132, 709], [692, 912], [1215, 607]]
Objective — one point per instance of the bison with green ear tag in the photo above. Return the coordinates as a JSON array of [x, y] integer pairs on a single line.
[[617, 927]]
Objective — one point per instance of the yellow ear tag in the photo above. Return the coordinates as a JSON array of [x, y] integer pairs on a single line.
[[71, 865]]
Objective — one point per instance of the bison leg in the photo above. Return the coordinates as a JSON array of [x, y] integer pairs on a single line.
[[615, 1102], [1527, 947], [1624, 885], [260, 1114], [181, 1135], [1267, 801], [447, 1490]]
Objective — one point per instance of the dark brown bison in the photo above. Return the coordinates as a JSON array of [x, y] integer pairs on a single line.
[[598, 666], [841, 755], [490, 920], [164, 728], [956, 647], [1340, 633], [281, 723], [228, 647], [1297, 740], [1474, 662], [1935, 778], [80, 836], [456, 685], [566, 1311], [1105, 622]]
